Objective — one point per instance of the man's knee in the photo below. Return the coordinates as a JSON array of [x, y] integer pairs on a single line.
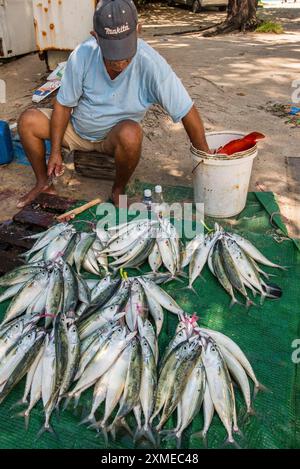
[[28, 119], [130, 135]]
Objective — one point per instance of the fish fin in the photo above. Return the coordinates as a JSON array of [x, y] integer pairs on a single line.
[[183, 274], [57, 412], [178, 440], [173, 277], [233, 302], [202, 436], [45, 429], [145, 432], [260, 387], [272, 290], [170, 434], [23, 414], [190, 287], [230, 441], [88, 419], [18, 404], [117, 424], [67, 401]]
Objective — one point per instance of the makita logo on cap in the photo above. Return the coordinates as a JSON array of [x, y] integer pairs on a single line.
[[118, 30]]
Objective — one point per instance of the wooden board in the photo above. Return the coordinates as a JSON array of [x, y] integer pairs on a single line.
[[54, 203], [13, 234], [95, 165], [36, 217], [9, 260]]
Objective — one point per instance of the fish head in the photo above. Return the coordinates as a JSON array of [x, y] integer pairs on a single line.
[[146, 349], [28, 340], [118, 334], [73, 336], [211, 354], [15, 330], [130, 336], [42, 277], [181, 336], [67, 234], [134, 344]]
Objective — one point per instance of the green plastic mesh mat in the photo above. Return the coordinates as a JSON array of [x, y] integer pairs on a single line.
[[265, 333]]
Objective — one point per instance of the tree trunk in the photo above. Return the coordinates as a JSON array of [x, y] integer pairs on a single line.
[[241, 16]]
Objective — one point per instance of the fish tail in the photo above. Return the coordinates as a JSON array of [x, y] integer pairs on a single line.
[[190, 287], [249, 303], [231, 441], [67, 401], [24, 414], [170, 434], [233, 302], [147, 433], [260, 387], [203, 436], [46, 429], [118, 423], [19, 403], [272, 290], [88, 419]]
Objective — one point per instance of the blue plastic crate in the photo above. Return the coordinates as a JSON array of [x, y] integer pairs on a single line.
[[6, 146]]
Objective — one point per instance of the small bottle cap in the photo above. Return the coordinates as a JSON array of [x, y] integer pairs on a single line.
[[158, 189], [147, 193]]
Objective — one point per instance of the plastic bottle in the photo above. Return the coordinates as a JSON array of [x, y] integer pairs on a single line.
[[147, 200], [160, 206]]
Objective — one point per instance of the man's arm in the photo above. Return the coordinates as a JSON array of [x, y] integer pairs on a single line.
[[59, 121], [194, 128]]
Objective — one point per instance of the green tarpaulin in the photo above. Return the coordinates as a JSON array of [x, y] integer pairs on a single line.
[[265, 333]]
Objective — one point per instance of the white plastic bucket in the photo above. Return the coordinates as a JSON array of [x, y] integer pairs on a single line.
[[220, 182]]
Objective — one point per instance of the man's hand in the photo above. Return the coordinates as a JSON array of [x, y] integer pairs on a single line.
[[55, 165]]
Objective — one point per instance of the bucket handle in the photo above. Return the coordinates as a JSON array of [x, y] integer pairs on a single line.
[[201, 161]]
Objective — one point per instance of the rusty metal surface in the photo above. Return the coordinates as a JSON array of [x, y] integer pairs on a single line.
[[62, 24]]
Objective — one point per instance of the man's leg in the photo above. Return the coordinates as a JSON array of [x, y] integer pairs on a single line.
[[124, 142], [34, 128]]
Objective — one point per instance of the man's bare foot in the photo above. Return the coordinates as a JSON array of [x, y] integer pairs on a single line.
[[115, 196], [31, 195]]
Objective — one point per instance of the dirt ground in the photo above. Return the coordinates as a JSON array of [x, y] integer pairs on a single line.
[[232, 80]]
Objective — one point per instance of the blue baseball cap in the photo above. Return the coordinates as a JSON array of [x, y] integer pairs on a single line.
[[115, 23]]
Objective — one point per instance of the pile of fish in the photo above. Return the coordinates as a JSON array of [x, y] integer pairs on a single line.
[[133, 297], [82, 249], [234, 262], [67, 334], [122, 367], [48, 359], [85, 334], [42, 290], [131, 244], [197, 371]]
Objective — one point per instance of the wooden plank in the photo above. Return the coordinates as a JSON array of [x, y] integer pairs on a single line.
[[54, 202], [31, 216], [9, 260], [95, 165], [12, 234]]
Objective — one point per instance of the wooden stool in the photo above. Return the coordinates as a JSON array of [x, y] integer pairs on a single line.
[[95, 165]]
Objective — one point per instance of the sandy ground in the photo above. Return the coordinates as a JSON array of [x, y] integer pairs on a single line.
[[231, 79]]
